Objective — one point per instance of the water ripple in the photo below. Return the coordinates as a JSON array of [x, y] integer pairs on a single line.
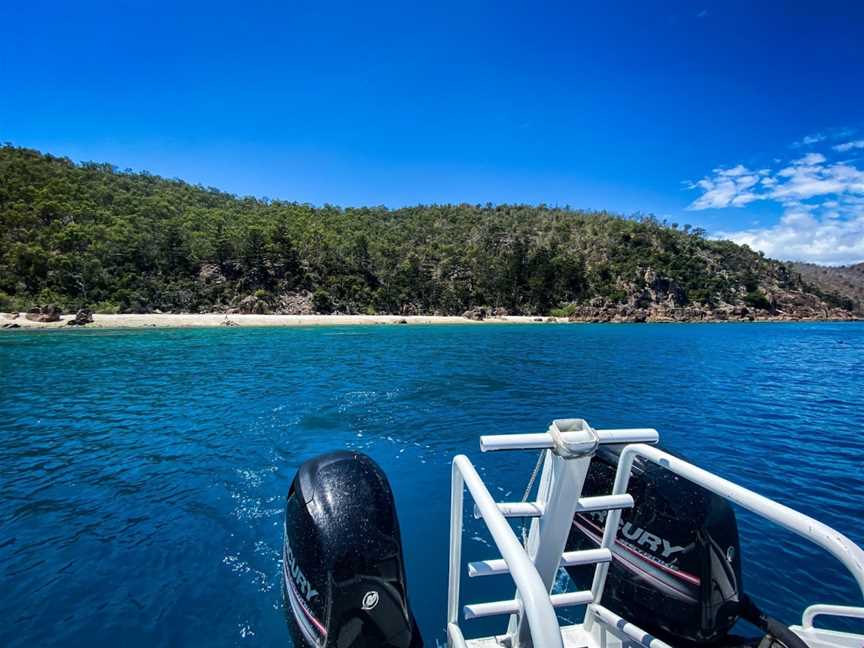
[[143, 471]]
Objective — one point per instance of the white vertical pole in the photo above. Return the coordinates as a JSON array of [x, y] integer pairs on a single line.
[[610, 531], [456, 501], [543, 490], [549, 533]]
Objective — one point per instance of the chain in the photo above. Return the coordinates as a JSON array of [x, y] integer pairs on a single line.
[[527, 492]]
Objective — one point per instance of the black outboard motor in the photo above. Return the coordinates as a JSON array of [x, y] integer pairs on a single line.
[[676, 569], [344, 574]]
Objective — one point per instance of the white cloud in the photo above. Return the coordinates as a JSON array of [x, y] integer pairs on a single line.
[[799, 236], [848, 146], [832, 134], [810, 140], [728, 187], [811, 159], [810, 177], [822, 202]]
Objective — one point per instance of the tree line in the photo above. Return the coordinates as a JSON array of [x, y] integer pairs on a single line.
[[91, 235]]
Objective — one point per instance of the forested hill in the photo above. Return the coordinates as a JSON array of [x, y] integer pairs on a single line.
[[845, 281], [89, 235]]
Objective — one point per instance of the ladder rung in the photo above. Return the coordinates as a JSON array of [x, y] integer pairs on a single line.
[[516, 509], [585, 557], [495, 608], [604, 503], [487, 568], [568, 559], [586, 504], [571, 598], [478, 610]]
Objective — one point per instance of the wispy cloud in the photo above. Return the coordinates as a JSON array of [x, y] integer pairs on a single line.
[[829, 134], [822, 202], [810, 140], [848, 146]]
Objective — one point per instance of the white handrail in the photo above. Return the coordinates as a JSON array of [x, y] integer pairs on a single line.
[[838, 545], [454, 634], [537, 607], [829, 610]]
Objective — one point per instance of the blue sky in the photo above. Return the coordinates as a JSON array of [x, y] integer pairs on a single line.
[[699, 112]]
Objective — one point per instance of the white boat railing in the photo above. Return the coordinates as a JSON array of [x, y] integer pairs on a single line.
[[570, 445], [834, 542], [823, 637], [536, 604], [533, 567], [818, 610]]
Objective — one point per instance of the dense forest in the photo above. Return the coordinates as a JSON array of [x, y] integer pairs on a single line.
[[90, 235]]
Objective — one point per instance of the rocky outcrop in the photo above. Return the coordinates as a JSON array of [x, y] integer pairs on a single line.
[[653, 298], [409, 310], [11, 316], [478, 314], [661, 290], [846, 282], [289, 303], [49, 313], [11, 325], [82, 318], [210, 273], [253, 305], [699, 313], [295, 303]]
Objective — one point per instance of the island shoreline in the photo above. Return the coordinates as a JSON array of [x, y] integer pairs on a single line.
[[212, 320]]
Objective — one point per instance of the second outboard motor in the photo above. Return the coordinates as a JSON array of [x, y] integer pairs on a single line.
[[676, 569], [344, 573]]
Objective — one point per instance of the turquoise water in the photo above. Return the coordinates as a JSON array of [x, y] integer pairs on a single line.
[[143, 472]]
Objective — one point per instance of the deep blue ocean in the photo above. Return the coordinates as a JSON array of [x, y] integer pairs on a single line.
[[143, 473]]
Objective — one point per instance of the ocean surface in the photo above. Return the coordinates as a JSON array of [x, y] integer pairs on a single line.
[[143, 473]]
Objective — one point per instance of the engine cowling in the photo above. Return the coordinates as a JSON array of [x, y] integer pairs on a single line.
[[676, 569], [343, 565]]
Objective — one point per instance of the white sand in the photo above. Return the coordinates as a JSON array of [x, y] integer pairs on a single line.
[[215, 319]]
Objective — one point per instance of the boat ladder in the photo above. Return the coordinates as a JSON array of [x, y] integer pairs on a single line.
[[569, 446]]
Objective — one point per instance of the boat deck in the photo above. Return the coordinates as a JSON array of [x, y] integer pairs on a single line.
[[573, 636]]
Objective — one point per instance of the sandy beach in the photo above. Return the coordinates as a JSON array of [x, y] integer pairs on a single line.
[[166, 320]]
